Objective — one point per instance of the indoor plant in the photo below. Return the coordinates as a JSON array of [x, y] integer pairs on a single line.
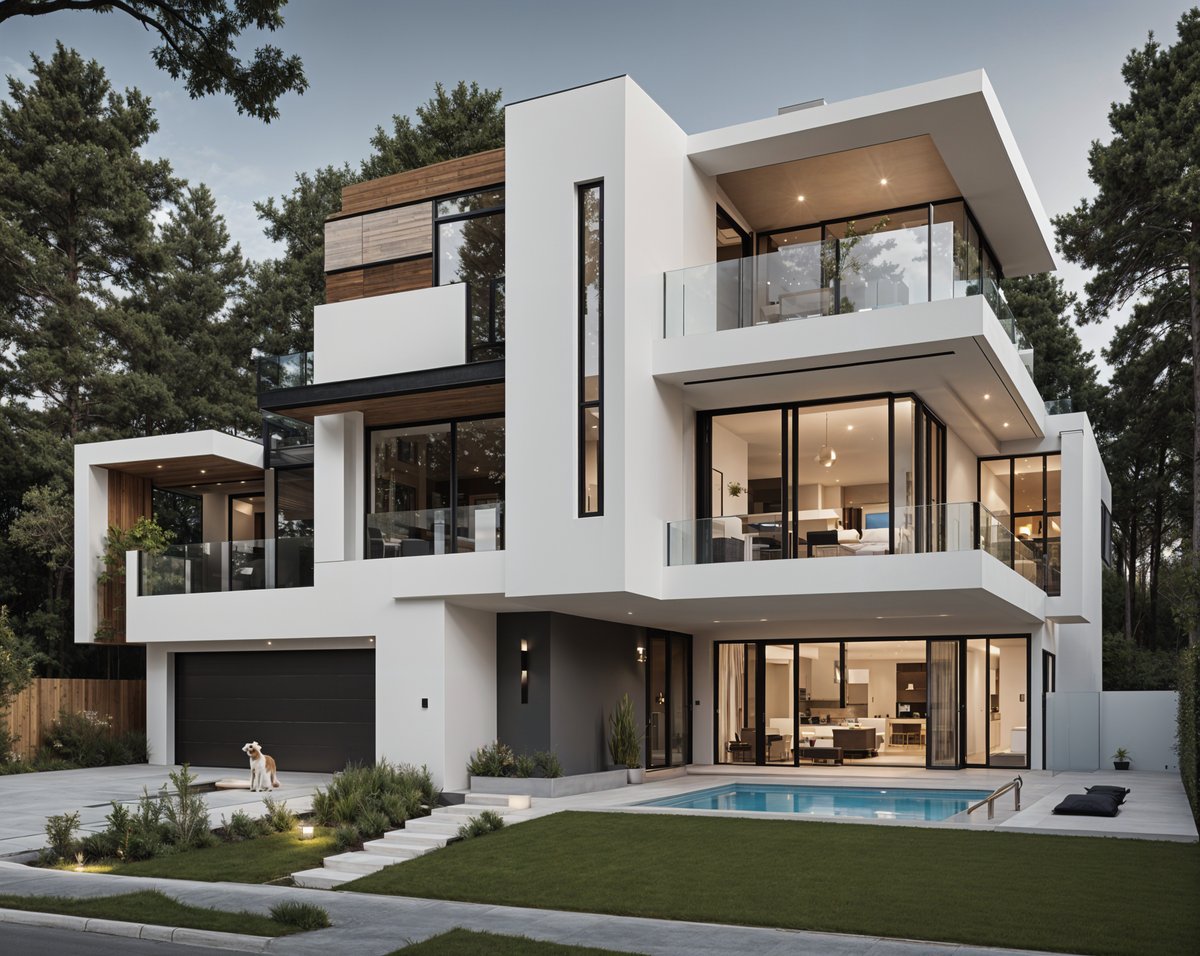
[[1121, 759], [624, 744]]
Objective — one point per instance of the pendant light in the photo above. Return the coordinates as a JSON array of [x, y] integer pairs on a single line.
[[826, 456]]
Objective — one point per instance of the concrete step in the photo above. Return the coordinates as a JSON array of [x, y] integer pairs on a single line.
[[358, 863], [432, 826], [417, 837], [398, 850], [465, 810], [486, 799], [322, 879]]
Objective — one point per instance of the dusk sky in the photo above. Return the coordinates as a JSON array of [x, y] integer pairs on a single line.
[[1055, 68]]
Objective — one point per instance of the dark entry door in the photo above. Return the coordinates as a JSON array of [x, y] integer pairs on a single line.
[[310, 710]]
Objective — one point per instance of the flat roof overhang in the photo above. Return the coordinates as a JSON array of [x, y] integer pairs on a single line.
[[175, 461], [950, 353], [426, 395], [961, 115]]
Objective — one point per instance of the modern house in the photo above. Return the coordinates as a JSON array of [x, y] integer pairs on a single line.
[[737, 422]]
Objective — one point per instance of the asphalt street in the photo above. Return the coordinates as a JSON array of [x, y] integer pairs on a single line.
[[18, 940]]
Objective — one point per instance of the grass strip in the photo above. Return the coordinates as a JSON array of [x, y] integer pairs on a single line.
[[149, 906], [1069, 894], [260, 860], [465, 942]]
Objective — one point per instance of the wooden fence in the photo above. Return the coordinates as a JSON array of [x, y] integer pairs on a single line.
[[34, 710]]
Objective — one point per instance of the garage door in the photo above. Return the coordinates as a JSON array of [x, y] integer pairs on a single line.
[[310, 710]]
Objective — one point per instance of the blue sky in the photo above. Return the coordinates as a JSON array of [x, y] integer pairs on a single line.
[[1055, 67]]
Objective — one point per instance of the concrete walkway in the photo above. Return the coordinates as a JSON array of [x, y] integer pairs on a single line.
[[368, 925], [28, 798]]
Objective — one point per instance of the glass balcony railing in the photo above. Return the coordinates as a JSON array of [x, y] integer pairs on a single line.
[[1059, 406], [468, 528], [287, 441], [284, 371], [921, 529], [209, 566], [817, 279]]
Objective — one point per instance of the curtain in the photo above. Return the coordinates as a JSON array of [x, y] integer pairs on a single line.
[[731, 663], [942, 718]]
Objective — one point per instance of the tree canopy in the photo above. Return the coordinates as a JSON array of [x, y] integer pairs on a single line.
[[199, 45]]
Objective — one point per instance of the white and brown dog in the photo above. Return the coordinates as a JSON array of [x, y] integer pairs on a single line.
[[262, 767]]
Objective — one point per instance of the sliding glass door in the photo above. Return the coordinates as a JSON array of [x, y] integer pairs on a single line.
[[668, 700]]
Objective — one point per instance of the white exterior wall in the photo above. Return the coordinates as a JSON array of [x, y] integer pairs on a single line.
[[387, 334]]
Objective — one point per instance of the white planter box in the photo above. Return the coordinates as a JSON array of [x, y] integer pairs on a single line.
[[553, 786]]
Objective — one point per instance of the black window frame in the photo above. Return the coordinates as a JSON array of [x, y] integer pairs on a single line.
[[493, 343], [1045, 514], [583, 403]]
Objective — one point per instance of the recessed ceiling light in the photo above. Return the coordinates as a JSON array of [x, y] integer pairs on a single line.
[[883, 182], [986, 396], [243, 481], [193, 486], [800, 198], [1006, 424], [268, 643], [204, 471], [716, 622], [158, 467], [630, 613], [849, 428], [761, 620]]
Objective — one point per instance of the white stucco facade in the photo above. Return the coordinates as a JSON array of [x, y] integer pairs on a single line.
[[430, 620]]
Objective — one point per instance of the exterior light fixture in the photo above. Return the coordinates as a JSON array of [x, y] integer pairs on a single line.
[[986, 396], [883, 181], [1006, 424], [641, 653], [524, 672], [159, 467], [660, 698], [306, 833], [826, 456], [910, 687], [204, 471]]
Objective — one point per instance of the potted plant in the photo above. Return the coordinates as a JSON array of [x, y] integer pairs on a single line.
[[1121, 759], [624, 743], [735, 489]]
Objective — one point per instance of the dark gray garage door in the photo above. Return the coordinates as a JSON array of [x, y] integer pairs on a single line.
[[310, 710]]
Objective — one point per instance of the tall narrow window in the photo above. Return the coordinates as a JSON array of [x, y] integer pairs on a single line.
[[591, 349]]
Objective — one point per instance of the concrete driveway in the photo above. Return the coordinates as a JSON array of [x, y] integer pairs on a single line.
[[27, 799]]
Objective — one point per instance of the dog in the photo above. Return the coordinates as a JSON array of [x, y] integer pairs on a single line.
[[262, 768]]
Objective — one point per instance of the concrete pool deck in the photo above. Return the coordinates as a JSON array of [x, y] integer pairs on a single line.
[[1156, 809], [29, 798]]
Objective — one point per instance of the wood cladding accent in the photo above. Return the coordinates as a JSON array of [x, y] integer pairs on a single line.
[[397, 233], [417, 407], [128, 500], [343, 244], [440, 179], [380, 280], [179, 472], [35, 709]]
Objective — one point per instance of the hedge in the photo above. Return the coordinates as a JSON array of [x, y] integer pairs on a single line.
[[1189, 725]]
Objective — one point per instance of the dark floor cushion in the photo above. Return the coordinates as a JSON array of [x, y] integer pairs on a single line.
[[1089, 805], [1119, 793]]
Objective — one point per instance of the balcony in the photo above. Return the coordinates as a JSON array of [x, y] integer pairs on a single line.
[[463, 530], [921, 529], [212, 566], [284, 371]]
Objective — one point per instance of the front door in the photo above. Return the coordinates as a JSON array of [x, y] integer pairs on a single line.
[[668, 700]]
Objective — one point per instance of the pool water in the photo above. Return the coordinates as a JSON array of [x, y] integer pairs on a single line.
[[859, 803]]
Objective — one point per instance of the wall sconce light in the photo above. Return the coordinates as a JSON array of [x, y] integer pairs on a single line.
[[660, 698], [641, 654], [306, 833], [524, 672], [910, 687]]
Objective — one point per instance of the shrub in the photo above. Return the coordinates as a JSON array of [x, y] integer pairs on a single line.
[[184, 812], [623, 742], [524, 766], [372, 824], [384, 791], [86, 739], [97, 846], [547, 764], [242, 826], [278, 817], [346, 837], [60, 835], [304, 916], [492, 760], [486, 822]]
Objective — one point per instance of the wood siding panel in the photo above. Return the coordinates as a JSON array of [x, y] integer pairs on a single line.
[[397, 233], [35, 709], [128, 499], [344, 286], [440, 179], [398, 277], [343, 244]]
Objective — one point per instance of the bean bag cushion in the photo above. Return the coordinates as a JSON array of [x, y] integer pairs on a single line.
[[1117, 792], [1089, 805]]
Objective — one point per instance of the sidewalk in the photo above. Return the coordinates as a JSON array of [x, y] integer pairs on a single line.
[[369, 925]]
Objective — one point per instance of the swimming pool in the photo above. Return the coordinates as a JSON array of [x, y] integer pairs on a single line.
[[860, 803]]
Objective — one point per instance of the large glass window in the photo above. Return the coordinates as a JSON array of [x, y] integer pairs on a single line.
[[179, 514], [294, 528], [591, 349], [1025, 494], [436, 489], [881, 260], [470, 249]]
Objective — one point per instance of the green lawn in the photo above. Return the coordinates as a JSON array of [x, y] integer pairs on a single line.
[[1077, 894], [463, 942], [252, 861], [150, 907]]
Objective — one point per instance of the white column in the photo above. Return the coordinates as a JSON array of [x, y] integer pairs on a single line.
[[160, 704], [91, 524], [338, 506]]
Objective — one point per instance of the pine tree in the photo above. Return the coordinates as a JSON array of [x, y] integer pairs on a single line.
[[1142, 231]]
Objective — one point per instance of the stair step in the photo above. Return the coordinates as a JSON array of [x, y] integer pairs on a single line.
[[431, 826], [417, 837], [321, 879], [467, 810], [400, 850], [486, 799], [358, 863]]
